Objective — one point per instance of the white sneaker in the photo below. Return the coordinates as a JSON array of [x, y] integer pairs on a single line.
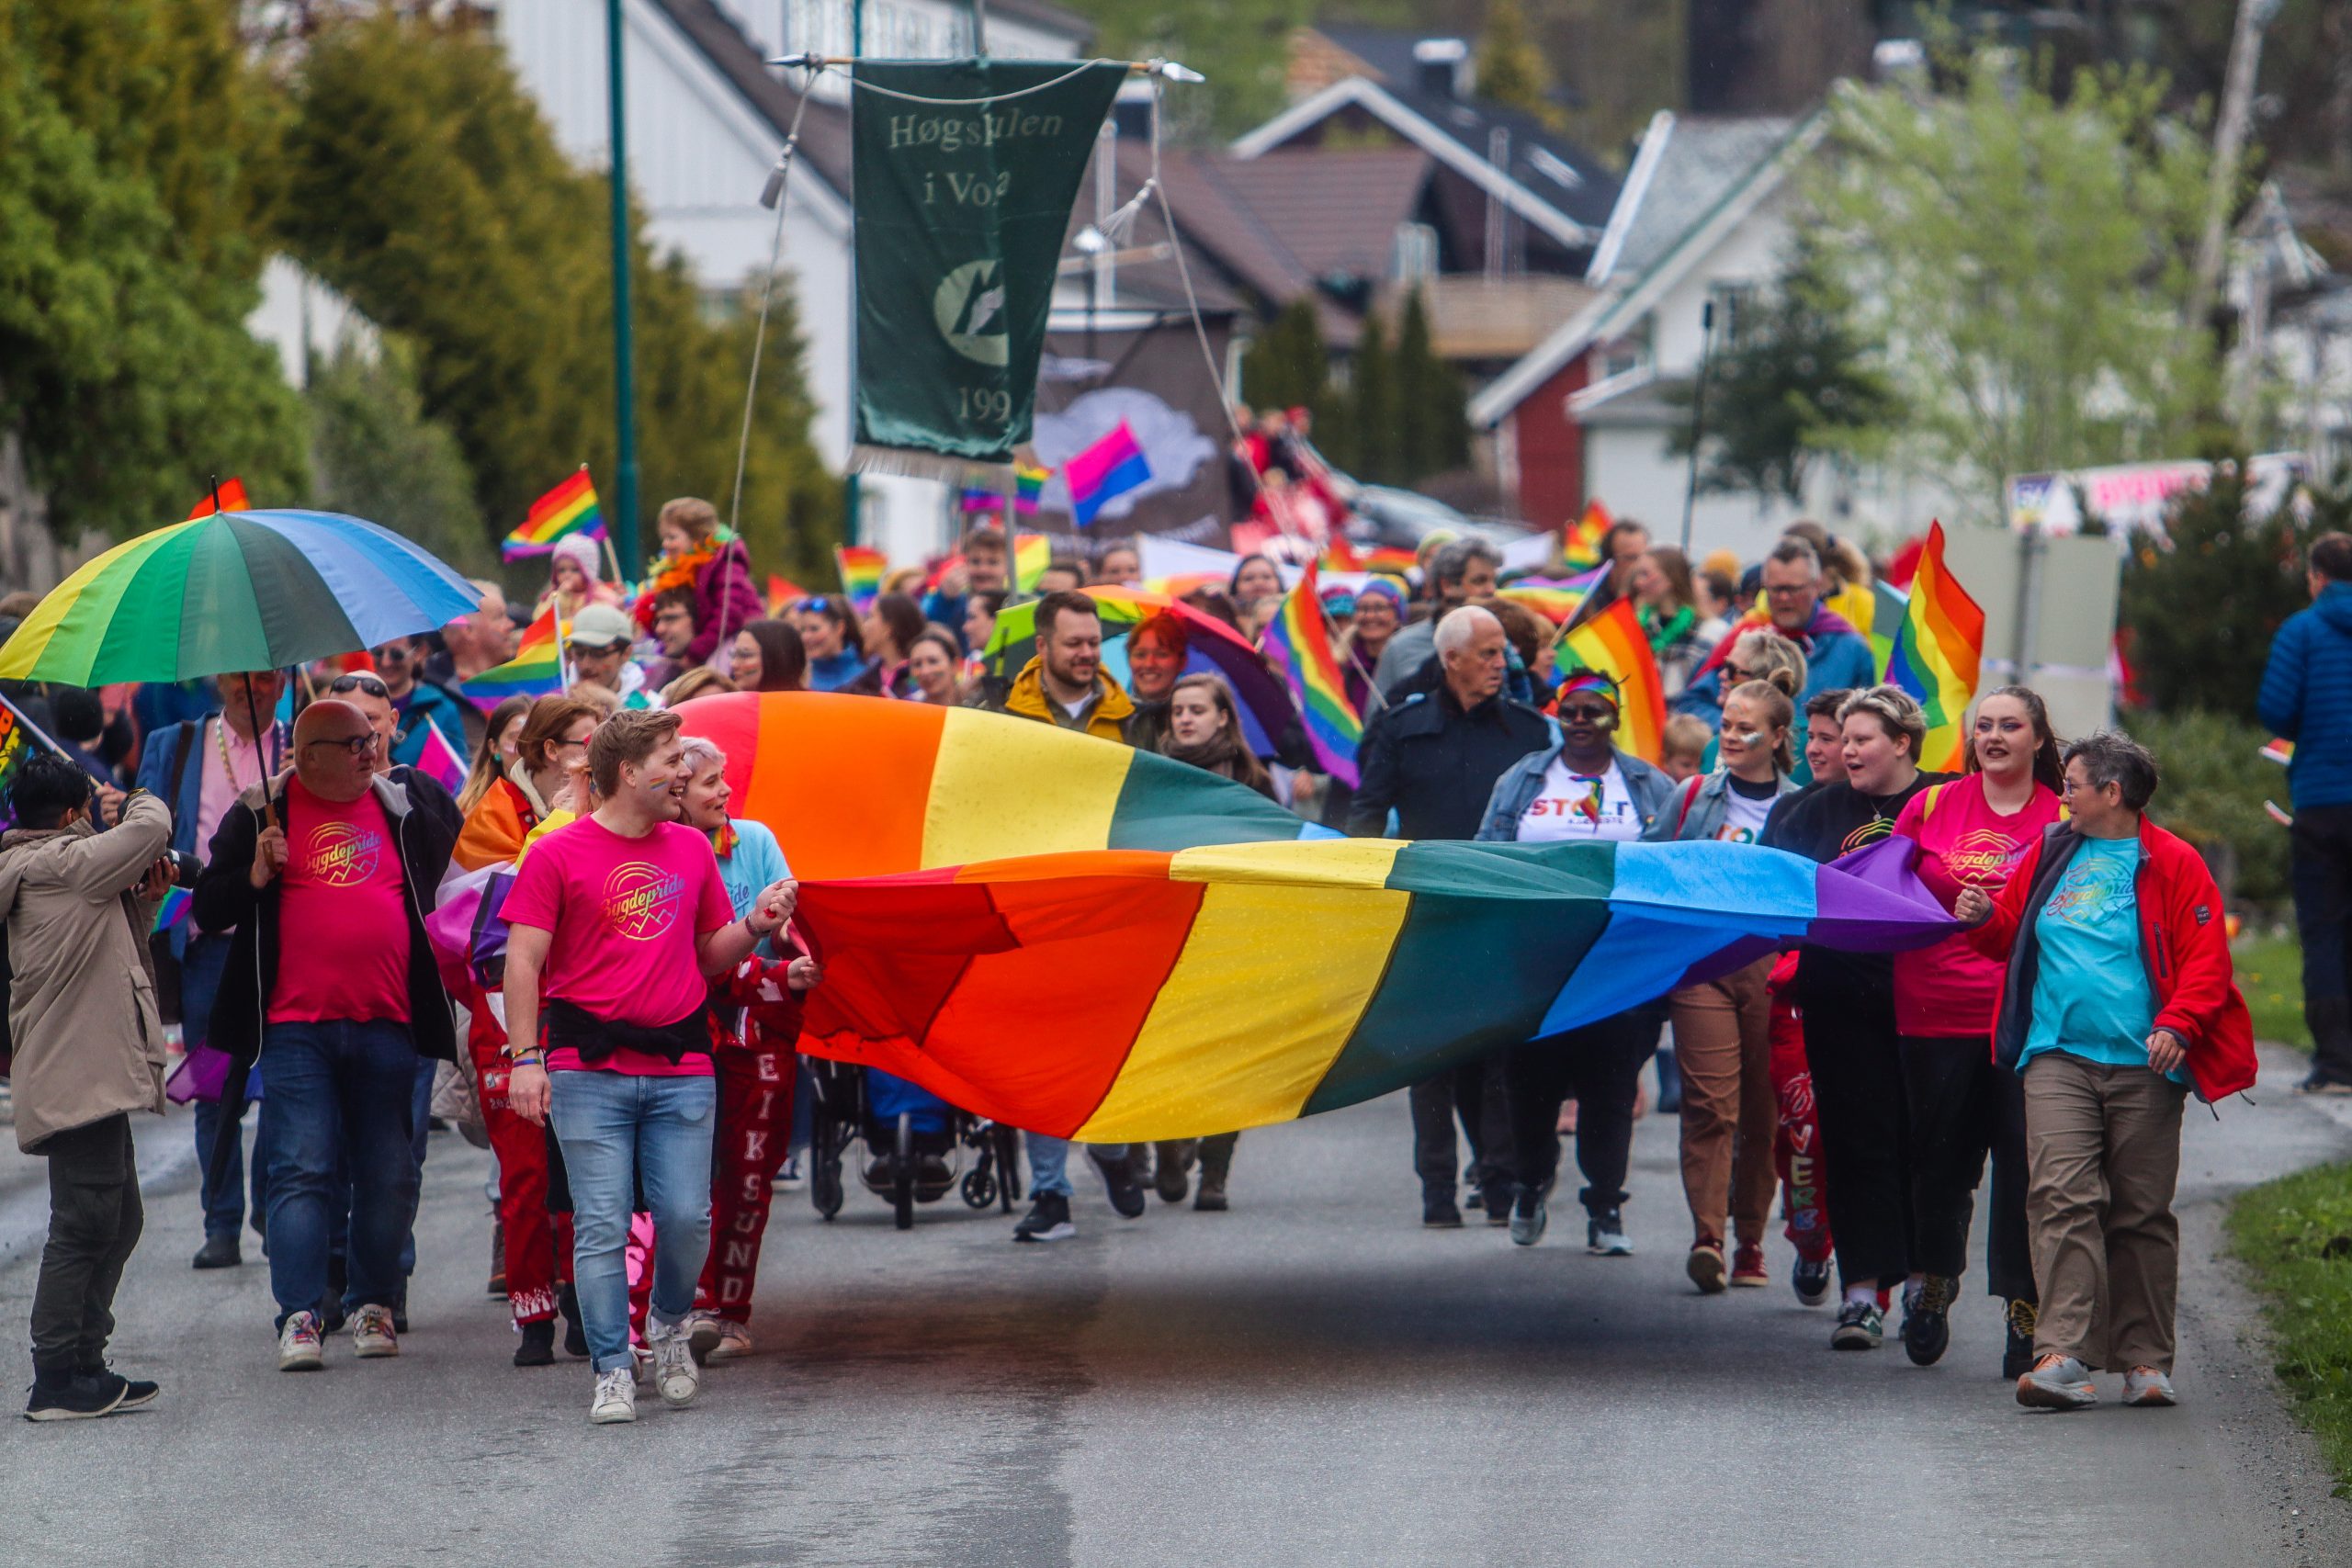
[[734, 1342], [615, 1398], [371, 1332], [675, 1376], [790, 1178], [298, 1349], [2148, 1388], [703, 1333]]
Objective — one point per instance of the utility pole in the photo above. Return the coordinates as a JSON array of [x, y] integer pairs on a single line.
[[624, 370], [2229, 150], [849, 481]]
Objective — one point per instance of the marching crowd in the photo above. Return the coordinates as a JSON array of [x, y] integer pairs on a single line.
[[635, 1070]]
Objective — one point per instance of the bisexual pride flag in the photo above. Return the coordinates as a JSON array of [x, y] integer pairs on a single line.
[[1103, 472]]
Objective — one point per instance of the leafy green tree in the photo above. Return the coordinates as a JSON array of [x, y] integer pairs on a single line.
[[1286, 366], [424, 184], [1372, 404], [375, 455], [2204, 602], [1512, 68], [133, 135], [1796, 382], [1432, 426], [2025, 261]]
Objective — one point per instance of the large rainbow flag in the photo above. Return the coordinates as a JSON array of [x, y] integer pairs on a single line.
[[570, 508], [1938, 653], [1298, 644], [1032, 553], [1205, 969], [1212, 988], [1611, 642], [535, 670]]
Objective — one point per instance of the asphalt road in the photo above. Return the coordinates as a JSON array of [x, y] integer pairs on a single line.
[[1309, 1379]]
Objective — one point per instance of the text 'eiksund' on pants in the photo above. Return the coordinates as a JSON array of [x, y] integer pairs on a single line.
[[755, 1083]]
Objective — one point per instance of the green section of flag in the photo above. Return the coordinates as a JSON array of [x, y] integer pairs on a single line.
[[962, 203]]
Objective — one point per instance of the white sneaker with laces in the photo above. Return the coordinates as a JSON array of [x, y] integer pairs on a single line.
[[615, 1398], [734, 1342], [298, 1349], [371, 1332], [675, 1376]]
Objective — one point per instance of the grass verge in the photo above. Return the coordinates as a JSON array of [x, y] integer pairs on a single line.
[[2270, 974], [2295, 1235]]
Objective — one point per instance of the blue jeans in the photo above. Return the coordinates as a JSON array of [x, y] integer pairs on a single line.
[[616, 1128], [1049, 1160], [338, 1091]]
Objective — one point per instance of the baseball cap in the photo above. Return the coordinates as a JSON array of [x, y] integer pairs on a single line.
[[601, 626]]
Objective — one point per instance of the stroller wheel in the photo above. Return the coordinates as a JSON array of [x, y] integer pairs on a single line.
[[902, 1185], [825, 1186], [979, 1187]]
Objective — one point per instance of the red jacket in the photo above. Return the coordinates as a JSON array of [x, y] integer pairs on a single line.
[[2183, 940]]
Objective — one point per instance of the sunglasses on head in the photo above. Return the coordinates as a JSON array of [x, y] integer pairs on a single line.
[[358, 681]]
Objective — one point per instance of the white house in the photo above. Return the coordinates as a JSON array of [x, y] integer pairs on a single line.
[[1592, 412], [706, 118]]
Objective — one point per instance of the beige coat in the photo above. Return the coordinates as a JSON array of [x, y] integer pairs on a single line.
[[82, 1015]]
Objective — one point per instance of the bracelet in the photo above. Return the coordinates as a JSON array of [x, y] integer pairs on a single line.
[[533, 1059]]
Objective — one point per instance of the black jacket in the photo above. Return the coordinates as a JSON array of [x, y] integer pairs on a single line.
[[1437, 764], [425, 824]]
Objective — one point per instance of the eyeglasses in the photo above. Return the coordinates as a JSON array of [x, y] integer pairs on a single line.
[[1587, 713], [359, 682], [394, 652], [354, 746], [1789, 591]]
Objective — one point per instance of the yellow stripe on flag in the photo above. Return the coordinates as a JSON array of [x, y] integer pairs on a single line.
[[1356, 862], [1265, 995], [991, 800]]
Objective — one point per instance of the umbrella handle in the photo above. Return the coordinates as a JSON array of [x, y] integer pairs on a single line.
[[252, 717]]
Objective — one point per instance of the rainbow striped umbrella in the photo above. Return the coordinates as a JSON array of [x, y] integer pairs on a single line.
[[234, 591]]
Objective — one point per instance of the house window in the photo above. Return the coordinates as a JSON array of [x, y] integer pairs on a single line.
[[1733, 303], [1412, 252]]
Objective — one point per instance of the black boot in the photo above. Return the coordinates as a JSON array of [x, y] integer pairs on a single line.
[[2329, 1020], [575, 1336], [538, 1349], [220, 1252], [1173, 1159], [1217, 1161]]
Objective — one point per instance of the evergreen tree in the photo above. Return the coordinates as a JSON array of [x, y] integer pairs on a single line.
[[1286, 366], [133, 138], [1432, 424], [1372, 404]]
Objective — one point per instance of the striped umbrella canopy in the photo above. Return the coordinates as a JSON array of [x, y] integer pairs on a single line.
[[234, 591]]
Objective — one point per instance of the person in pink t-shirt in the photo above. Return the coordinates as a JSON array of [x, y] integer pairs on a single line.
[[1972, 832], [617, 924]]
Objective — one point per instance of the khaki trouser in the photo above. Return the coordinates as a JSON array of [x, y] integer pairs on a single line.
[[2102, 1156], [1723, 1046]]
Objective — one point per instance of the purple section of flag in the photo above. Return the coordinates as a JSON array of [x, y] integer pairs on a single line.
[[1104, 471], [437, 760]]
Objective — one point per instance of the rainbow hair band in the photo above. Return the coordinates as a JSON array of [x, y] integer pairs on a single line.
[[1588, 680], [1383, 587]]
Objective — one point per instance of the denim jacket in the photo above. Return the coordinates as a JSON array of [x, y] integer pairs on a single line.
[[1519, 787], [1704, 817]]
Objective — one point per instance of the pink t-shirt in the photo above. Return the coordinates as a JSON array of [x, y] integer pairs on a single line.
[[344, 908], [1950, 989], [625, 914], [216, 790]]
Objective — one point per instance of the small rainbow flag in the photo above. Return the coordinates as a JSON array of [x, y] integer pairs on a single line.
[[1028, 485], [863, 570], [1555, 598], [570, 508], [1581, 542], [232, 498], [1104, 471], [2280, 750], [1298, 645], [535, 670], [173, 909], [1032, 553], [438, 761], [1613, 644], [1938, 651]]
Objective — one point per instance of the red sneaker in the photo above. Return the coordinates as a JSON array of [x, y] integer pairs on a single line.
[[1747, 1266]]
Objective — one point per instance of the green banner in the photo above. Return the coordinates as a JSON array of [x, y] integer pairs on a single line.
[[962, 204]]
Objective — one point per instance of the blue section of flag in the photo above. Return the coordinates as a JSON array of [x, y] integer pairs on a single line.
[[1131, 474]]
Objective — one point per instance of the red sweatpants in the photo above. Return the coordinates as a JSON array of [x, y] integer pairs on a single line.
[[532, 1256], [1796, 1146], [754, 1128]]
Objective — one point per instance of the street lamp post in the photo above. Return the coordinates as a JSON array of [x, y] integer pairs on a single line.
[[624, 370]]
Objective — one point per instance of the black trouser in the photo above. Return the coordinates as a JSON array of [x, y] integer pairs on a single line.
[[1865, 1136], [2322, 838], [94, 1222], [1599, 1066], [1964, 1105], [1474, 1091]]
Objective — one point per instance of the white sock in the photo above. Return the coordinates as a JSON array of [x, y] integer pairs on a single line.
[[1866, 1294]]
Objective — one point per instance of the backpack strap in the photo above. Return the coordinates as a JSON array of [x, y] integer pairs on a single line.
[[191, 736], [1927, 801], [1689, 796]]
